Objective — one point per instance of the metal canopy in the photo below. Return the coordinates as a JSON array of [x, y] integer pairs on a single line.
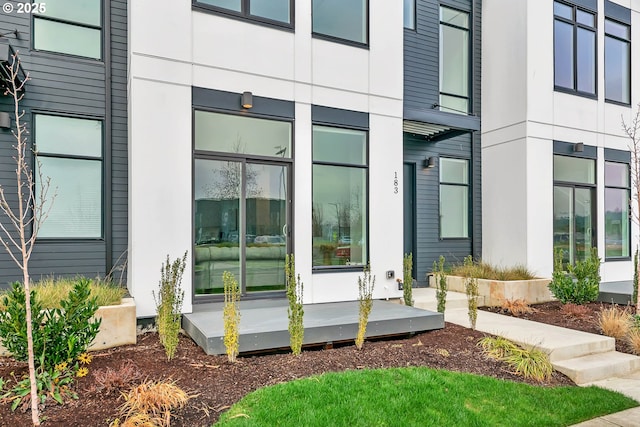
[[6, 59], [437, 125]]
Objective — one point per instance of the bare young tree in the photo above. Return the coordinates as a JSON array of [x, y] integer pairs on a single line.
[[633, 132], [28, 212]]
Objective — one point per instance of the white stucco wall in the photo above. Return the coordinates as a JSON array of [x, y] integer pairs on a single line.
[[517, 139], [173, 48]]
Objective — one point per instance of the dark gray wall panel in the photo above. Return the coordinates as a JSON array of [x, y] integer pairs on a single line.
[[77, 86]]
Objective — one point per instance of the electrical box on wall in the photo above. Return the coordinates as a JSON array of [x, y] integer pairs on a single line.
[[390, 274]]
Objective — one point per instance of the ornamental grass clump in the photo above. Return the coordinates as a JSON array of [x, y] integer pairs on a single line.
[[231, 315], [614, 322], [441, 283], [529, 362], [365, 299], [471, 289], [517, 307], [169, 304], [407, 286], [295, 311], [151, 404]]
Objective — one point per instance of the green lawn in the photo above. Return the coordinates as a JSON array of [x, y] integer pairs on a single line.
[[419, 397]]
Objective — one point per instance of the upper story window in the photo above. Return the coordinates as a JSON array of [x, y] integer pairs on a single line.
[[73, 27], [69, 153], [617, 61], [340, 19], [574, 48], [454, 60], [410, 14], [273, 11]]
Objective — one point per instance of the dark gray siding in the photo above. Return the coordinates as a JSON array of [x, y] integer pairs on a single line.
[[84, 88], [421, 91]]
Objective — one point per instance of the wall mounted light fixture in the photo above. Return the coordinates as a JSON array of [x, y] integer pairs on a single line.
[[578, 147], [430, 162], [247, 100]]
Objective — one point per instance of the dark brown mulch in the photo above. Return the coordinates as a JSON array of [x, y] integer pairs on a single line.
[[218, 384]]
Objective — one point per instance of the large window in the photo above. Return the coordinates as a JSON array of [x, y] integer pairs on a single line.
[[340, 19], [617, 61], [410, 14], [70, 26], [69, 153], [574, 48], [454, 198], [616, 210], [276, 11], [339, 211], [454, 61]]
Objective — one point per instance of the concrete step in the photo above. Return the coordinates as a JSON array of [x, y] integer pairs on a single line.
[[596, 367], [559, 343], [425, 298], [628, 385]]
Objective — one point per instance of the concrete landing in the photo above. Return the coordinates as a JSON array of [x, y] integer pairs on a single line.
[[264, 323], [616, 292]]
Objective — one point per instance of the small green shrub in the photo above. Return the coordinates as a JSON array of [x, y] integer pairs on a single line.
[[471, 289], [295, 311], [635, 278], [581, 284], [407, 286], [365, 299], [441, 283], [231, 315], [60, 335], [169, 304]]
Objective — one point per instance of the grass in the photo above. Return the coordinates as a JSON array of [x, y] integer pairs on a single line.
[[51, 291], [483, 270], [419, 397], [614, 322]]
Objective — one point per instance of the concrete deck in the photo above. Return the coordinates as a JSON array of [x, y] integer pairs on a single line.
[[264, 323], [616, 292]]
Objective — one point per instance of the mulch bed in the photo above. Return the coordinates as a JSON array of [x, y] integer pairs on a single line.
[[217, 384]]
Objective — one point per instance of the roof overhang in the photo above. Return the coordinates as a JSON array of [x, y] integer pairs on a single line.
[[437, 125]]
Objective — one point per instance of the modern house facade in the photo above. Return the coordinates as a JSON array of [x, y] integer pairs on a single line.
[[558, 79], [76, 114]]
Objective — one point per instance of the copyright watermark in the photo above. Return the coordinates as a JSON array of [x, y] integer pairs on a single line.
[[24, 8]]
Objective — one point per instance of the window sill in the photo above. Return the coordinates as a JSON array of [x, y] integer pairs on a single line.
[[340, 40], [561, 89], [337, 269], [614, 102], [198, 7], [617, 259], [66, 57]]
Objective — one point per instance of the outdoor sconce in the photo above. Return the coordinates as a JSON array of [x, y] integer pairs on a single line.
[[430, 162], [5, 121], [247, 100], [578, 147]]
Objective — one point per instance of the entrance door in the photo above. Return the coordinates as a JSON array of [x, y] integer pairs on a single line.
[[241, 224], [573, 222]]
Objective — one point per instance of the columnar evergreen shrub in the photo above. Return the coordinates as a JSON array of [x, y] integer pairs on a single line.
[[635, 278], [407, 287], [295, 311], [231, 315], [365, 299], [580, 284], [471, 288], [440, 278], [169, 304]]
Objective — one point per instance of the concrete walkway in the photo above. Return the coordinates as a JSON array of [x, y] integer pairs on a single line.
[[587, 359]]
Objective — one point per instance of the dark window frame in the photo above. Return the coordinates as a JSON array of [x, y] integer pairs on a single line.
[[335, 39], [628, 43], [629, 226], [576, 25], [102, 159], [68, 22], [365, 167], [468, 185], [469, 31], [245, 16]]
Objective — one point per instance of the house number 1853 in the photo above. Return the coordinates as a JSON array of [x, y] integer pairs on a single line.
[[395, 183]]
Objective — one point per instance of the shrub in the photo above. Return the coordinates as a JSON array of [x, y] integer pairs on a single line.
[[295, 311], [407, 287], [582, 282], [614, 322], [635, 279], [117, 380], [365, 299], [517, 307], [60, 335], [471, 289], [152, 402], [528, 362], [441, 283], [231, 315], [169, 304]]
